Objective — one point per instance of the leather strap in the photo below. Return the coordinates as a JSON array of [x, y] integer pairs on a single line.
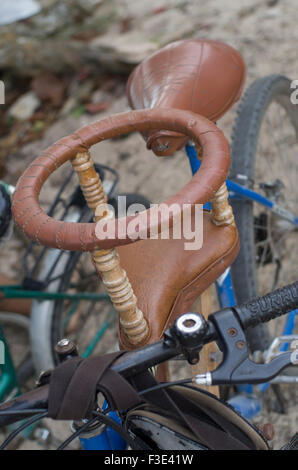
[[75, 383]]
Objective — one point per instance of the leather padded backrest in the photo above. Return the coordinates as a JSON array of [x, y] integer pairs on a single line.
[[199, 75]]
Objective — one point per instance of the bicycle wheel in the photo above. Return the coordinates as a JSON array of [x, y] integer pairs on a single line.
[[264, 144], [91, 324]]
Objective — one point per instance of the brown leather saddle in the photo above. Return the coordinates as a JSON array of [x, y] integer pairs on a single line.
[[205, 77], [199, 75]]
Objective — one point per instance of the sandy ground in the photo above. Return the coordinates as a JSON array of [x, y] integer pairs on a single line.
[[267, 38]]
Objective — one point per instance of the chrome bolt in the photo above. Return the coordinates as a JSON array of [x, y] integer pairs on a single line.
[[63, 342], [65, 349]]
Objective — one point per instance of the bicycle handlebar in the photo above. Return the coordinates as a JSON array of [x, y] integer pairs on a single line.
[[269, 306], [178, 340]]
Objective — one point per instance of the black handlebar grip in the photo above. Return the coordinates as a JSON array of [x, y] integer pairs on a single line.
[[269, 306]]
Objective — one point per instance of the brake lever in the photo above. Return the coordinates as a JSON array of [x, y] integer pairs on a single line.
[[236, 366]]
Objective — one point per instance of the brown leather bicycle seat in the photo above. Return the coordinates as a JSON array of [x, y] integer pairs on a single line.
[[167, 279], [198, 75]]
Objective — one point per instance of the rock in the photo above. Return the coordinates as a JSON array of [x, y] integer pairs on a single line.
[[29, 56], [101, 33], [128, 48], [24, 107], [52, 39], [168, 26]]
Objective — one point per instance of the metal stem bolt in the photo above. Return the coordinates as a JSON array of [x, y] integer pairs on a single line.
[[65, 348], [63, 343]]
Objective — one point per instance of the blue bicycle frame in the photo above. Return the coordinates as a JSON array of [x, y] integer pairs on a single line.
[[244, 402]]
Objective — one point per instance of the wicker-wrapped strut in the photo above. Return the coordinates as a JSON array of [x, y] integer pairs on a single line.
[[107, 262], [222, 212]]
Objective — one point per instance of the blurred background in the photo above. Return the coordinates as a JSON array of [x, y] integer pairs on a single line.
[[65, 63]]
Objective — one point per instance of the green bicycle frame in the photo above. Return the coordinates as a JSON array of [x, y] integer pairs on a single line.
[[17, 292], [8, 377]]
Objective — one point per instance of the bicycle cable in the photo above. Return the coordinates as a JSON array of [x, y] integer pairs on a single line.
[[23, 426], [165, 385], [22, 412], [101, 417], [77, 433]]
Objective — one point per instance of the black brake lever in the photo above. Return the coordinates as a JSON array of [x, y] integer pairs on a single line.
[[236, 366]]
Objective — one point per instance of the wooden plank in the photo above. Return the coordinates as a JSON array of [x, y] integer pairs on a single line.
[[203, 305]]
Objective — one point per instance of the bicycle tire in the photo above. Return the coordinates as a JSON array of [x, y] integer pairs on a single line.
[[42, 313], [46, 323], [251, 115]]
